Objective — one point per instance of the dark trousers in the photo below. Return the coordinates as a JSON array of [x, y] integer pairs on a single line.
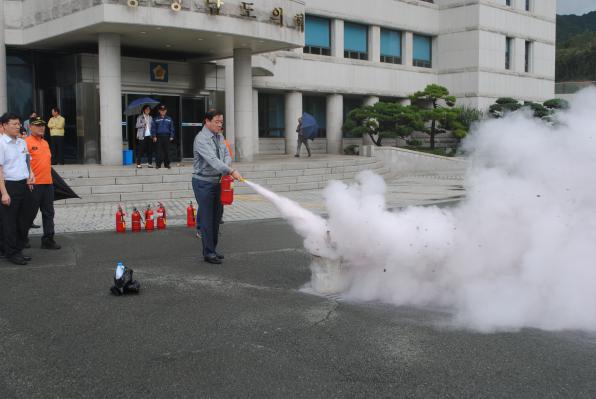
[[145, 146], [208, 199], [302, 140], [42, 198], [57, 148], [163, 151], [15, 218], [219, 217]]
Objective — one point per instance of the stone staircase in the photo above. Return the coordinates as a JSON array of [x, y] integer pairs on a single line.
[[101, 184]]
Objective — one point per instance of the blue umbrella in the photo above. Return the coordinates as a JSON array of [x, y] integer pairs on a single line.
[[309, 126], [136, 107]]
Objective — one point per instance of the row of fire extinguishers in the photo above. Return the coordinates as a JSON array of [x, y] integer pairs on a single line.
[[152, 220], [160, 216]]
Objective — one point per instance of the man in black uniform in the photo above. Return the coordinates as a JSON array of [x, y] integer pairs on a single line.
[[16, 179]]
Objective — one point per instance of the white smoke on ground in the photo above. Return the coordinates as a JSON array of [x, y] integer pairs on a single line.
[[517, 252]]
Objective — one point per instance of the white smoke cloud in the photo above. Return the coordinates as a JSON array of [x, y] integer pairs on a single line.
[[517, 252]]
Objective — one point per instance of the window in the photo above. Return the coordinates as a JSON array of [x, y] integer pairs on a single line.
[[528, 59], [528, 5], [19, 84], [317, 107], [422, 51], [508, 43], [350, 104], [271, 115], [355, 41], [390, 46], [508, 3], [317, 35]]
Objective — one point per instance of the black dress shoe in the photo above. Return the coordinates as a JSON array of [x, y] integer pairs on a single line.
[[27, 258], [213, 259], [50, 244], [219, 256], [35, 226], [17, 260]]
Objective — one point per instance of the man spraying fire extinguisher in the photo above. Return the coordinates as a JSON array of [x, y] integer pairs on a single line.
[[212, 161]]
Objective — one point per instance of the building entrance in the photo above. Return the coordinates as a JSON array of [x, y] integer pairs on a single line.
[[187, 113], [63, 98]]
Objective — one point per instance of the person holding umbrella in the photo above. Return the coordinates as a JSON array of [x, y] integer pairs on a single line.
[[307, 130], [42, 191], [138, 108], [144, 140]]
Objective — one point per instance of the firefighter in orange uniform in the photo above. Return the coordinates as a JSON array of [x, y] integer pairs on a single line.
[[42, 194]]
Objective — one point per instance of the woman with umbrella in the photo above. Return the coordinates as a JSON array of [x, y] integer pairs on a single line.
[[144, 141], [142, 108]]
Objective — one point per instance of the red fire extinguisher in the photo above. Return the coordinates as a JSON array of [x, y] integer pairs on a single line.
[[161, 217], [120, 222], [191, 216], [135, 220], [149, 222], [227, 190]]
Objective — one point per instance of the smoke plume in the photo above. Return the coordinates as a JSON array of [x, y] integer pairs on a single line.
[[517, 252]]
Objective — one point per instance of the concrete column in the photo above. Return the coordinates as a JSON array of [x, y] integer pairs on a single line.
[[370, 101], [243, 123], [374, 43], [255, 121], [337, 38], [407, 48], [229, 116], [335, 107], [110, 100], [3, 93], [293, 111]]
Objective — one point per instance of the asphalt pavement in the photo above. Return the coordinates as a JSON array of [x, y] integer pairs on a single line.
[[248, 329]]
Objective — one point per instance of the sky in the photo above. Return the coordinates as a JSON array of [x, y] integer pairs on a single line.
[[578, 7]]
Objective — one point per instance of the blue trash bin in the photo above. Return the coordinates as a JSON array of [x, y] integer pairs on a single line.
[[126, 157]]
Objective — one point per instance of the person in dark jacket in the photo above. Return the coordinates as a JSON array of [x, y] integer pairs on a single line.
[[162, 131]]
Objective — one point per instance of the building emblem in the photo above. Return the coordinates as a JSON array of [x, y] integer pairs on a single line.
[[158, 72]]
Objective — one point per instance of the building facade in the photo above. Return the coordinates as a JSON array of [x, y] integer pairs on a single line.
[[264, 62]]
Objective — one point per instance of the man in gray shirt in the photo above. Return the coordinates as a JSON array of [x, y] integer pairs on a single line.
[[212, 160]]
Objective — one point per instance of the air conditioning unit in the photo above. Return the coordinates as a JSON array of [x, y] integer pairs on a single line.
[[176, 6], [133, 3]]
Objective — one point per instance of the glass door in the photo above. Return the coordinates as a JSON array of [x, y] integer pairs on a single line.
[[173, 105], [192, 115]]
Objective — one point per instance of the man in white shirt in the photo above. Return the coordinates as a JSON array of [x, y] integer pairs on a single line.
[[16, 178]]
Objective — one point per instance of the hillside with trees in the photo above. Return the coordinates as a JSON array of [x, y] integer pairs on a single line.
[[576, 47]]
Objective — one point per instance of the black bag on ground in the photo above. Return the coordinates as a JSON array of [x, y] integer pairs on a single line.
[[123, 281]]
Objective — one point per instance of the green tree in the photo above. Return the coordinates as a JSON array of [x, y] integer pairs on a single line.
[[465, 118], [503, 105], [556, 104], [382, 120], [544, 111], [435, 105]]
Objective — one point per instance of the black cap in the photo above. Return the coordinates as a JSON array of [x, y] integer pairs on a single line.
[[37, 121]]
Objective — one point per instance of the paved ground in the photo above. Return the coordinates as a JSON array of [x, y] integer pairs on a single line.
[[248, 329], [421, 189]]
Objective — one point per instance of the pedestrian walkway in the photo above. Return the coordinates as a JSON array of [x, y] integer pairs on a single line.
[[407, 190]]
